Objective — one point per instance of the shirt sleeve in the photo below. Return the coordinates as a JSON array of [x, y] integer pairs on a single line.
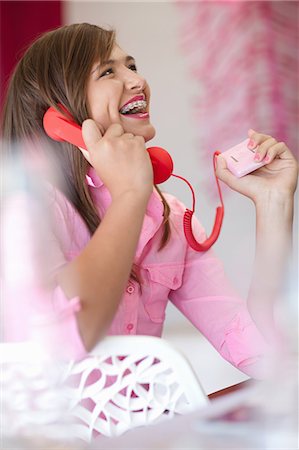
[[57, 326], [57, 329], [32, 310], [208, 300]]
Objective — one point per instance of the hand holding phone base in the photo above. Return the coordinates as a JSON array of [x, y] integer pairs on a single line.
[[61, 127]]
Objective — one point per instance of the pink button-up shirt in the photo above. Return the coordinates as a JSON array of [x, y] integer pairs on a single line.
[[194, 282]]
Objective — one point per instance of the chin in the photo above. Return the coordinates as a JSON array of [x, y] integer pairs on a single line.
[[150, 134]]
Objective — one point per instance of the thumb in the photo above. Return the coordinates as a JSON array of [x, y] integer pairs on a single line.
[[91, 133], [223, 173]]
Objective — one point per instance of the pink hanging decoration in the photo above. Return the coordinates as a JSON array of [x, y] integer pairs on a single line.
[[245, 58]]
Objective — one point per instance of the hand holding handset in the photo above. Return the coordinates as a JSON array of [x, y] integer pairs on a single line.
[[61, 127]]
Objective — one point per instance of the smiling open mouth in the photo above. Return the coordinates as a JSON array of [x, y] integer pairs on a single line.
[[134, 107]]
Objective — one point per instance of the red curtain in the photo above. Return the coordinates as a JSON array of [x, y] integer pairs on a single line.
[[21, 23]]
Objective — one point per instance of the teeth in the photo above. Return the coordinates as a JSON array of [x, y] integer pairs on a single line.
[[140, 105]]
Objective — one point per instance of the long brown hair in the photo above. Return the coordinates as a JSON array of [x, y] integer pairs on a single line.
[[55, 70]]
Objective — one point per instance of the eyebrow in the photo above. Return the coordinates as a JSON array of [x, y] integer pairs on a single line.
[[112, 61]]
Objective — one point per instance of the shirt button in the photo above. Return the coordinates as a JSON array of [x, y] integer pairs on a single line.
[[130, 326], [130, 289]]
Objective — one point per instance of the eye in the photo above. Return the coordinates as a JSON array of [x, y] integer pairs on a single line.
[[106, 72], [133, 67]]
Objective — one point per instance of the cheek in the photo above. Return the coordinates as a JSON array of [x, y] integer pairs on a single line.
[[97, 105], [147, 91], [103, 102]]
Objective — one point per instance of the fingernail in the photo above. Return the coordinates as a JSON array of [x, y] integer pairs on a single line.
[[251, 144], [267, 159], [257, 157]]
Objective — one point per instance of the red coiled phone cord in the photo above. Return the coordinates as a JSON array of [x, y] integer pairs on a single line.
[[203, 246]]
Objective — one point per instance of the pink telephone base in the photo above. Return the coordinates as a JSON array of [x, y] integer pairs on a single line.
[[240, 159]]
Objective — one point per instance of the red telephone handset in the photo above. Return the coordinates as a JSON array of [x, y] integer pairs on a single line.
[[62, 127]]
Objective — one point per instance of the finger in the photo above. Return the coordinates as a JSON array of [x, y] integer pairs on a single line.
[[86, 155], [262, 149], [257, 138], [115, 130], [91, 133], [140, 138], [128, 135], [278, 150], [114, 109]]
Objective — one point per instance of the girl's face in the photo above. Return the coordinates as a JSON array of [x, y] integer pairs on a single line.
[[116, 93]]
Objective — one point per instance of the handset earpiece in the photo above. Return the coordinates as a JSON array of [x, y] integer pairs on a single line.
[[61, 127]]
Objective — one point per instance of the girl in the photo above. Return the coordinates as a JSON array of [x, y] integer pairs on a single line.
[[120, 250]]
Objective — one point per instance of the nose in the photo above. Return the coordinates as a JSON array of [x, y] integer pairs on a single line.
[[133, 81]]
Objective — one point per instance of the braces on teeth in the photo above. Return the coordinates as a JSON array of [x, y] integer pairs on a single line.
[[140, 105]]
